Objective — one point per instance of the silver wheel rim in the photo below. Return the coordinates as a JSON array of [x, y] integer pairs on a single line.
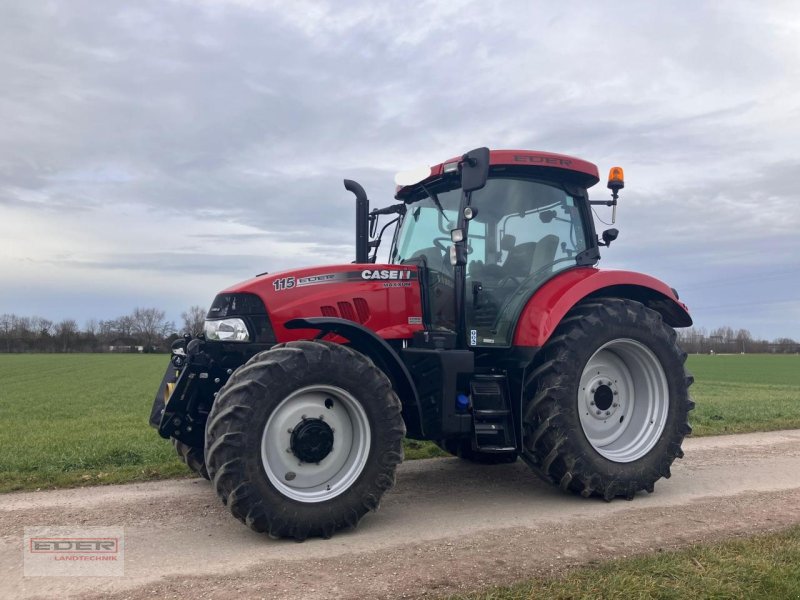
[[623, 400], [336, 472]]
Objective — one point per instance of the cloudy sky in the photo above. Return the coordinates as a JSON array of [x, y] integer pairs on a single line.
[[154, 152]]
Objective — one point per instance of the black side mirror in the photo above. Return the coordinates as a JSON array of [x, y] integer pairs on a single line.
[[474, 169], [609, 235]]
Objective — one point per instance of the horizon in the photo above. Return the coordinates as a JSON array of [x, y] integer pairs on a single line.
[[153, 155]]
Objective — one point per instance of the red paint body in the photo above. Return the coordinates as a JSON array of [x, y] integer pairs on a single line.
[[553, 300], [389, 307], [392, 303], [559, 162]]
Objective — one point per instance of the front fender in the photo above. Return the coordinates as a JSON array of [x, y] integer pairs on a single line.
[[385, 358], [554, 299]]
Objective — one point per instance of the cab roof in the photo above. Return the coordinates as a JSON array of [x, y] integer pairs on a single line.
[[542, 163]]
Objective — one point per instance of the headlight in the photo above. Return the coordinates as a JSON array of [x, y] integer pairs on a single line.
[[227, 330]]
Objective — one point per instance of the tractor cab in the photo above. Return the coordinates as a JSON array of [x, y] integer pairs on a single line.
[[526, 223]]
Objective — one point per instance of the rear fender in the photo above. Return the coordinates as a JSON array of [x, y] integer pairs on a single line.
[[385, 358], [554, 299]]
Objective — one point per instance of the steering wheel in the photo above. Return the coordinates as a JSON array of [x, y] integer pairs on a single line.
[[439, 245]]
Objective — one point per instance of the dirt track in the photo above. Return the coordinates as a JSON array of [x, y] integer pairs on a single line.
[[447, 526]]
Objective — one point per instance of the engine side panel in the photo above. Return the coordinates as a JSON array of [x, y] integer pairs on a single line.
[[383, 298], [555, 298]]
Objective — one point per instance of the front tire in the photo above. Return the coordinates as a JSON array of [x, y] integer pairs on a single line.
[[608, 401], [191, 457], [304, 439]]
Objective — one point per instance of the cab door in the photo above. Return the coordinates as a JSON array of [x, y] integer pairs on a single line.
[[525, 232]]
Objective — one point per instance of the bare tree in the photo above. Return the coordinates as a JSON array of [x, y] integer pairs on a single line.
[[125, 326], [151, 326], [743, 340], [6, 327], [194, 319], [66, 331], [91, 327], [786, 345]]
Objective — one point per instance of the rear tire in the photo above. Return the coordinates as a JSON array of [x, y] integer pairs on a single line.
[[608, 401], [304, 439], [192, 458]]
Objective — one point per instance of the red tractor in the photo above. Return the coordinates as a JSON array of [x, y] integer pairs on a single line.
[[490, 331]]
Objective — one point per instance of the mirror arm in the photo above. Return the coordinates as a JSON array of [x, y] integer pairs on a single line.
[[375, 244], [390, 210]]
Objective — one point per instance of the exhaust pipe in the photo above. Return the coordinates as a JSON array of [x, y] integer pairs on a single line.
[[362, 216]]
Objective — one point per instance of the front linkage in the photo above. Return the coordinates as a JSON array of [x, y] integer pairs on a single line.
[[198, 369]]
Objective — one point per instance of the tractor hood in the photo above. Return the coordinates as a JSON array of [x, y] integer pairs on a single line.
[[385, 298]]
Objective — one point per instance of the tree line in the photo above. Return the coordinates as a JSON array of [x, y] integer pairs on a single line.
[[726, 340], [148, 330], [143, 330]]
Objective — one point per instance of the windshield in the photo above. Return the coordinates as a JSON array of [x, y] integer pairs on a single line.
[[425, 231]]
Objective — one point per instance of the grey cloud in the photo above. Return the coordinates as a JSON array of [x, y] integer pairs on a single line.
[[253, 113]]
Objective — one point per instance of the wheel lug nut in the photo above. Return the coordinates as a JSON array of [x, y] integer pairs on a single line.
[[592, 403], [290, 430], [616, 393], [608, 412], [615, 405], [599, 412]]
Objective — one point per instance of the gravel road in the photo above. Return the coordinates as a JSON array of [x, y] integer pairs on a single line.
[[448, 526]]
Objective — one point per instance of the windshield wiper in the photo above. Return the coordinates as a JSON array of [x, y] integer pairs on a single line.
[[435, 198]]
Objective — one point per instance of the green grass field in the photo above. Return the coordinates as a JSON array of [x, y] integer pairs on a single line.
[[82, 419], [740, 393], [763, 567]]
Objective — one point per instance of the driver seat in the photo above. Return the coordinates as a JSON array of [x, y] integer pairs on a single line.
[[519, 259], [545, 254]]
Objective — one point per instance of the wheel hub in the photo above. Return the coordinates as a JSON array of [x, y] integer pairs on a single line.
[[312, 440], [601, 397]]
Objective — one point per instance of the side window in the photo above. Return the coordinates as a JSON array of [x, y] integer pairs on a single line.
[[477, 241], [559, 227]]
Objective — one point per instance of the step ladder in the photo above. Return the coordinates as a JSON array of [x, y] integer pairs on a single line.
[[493, 424]]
